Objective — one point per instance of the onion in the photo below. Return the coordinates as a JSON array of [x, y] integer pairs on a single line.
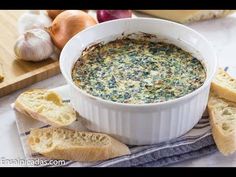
[[67, 24], [53, 13], [106, 15]]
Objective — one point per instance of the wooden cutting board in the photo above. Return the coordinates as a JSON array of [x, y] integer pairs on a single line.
[[17, 73]]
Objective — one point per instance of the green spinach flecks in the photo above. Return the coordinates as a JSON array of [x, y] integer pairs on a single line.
[[138, 71]]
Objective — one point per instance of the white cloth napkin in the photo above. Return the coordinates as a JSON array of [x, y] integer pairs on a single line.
[[196, 143]]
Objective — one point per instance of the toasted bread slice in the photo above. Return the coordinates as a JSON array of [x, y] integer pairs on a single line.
[[223, 122], [59, 143], [224, 86], [188, 16], [45, 106]]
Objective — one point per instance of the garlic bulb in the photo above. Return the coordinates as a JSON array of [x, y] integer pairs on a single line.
[[33, 19], [34, 45]]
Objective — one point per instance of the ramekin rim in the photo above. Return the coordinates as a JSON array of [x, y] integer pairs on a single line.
[[172, 101]]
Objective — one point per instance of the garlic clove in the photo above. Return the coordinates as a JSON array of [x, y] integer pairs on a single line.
[[56, 54], [33, 19], [34, 45]]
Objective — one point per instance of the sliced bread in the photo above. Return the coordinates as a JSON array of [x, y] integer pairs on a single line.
[[59, 143], [46, 106], [188, 16], [223, 122], [224, 86]]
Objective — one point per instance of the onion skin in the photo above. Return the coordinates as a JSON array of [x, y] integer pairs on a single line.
[[107, 15], [67, 24], [53, 13]]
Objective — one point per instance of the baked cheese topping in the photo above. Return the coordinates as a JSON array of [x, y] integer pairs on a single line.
[[138, 71]]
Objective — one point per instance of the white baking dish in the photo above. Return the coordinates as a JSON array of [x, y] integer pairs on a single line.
[[139, 124]]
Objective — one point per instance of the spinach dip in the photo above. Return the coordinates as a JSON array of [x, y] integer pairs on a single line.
[[137, 71]]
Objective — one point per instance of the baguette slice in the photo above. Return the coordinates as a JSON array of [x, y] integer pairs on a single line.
[[223, 122], [45, 106], [59, 143], [224, 86], [187, 16]]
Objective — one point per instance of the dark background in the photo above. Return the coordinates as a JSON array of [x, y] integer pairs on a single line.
[[118, 4]]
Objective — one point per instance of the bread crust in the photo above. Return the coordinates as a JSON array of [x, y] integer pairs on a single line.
[[35, 115], [226, 143], [86, 153], [188, 16], [222, 91], [223, 97]]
